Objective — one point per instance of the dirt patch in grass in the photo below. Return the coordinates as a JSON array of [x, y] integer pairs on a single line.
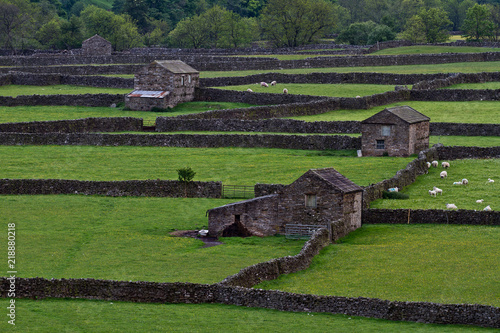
[[209, 241]]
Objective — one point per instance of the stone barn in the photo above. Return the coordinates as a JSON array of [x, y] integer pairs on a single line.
[[397, 131], [320, 197], [163, 84], [96, 46]]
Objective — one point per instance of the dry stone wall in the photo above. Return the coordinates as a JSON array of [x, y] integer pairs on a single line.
[[430, 216], [92, 100], [76, 126]]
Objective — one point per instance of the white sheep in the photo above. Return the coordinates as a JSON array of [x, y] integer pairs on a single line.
[[435, 163], [249, 90], [432, 193], [480, 201], [443, 174], [487, 208], [445, 165], [438, 190], [263, 84], [451, 206], [428, 165], [490, 180], [285, 91], [458, 183], [465, 181], [393, 189], [358, 96], [203, 233], [273, 83]]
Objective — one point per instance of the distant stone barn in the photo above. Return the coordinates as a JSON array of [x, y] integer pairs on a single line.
[[163, 84], [397, 131], [321, 197], [96, 46]]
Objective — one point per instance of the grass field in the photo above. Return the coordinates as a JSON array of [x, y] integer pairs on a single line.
[[483, 112], [483, 85], [476, 171], [462, 67], [56, 315], [330, 90], [232, 166], [431, 263], [18, 90]]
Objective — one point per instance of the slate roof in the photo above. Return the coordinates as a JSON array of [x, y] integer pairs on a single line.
[[406, 113], [176, 66], [96, 37], [336, 179]]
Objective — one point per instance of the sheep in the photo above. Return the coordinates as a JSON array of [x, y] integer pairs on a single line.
[[445, 165], [263, 84], [393, 189], [490, 180], [203, 233], [432, 193], [487, 208], [443, 174], [438, 190], [249, 90], [480, 201], [457, 183], [465, 181], [451, 206], [273, 83], [285, 91], [428, 165], [435, 164], [358, 96]]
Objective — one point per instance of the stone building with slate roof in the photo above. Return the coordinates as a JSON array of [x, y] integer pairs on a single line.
[[397, 131], [96, 46], [320, 197], [163, 84]]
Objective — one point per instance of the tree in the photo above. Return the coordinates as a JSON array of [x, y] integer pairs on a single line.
[[415, 30], [357, 33], [50, 34], [296, 22], [430, 26], [478, 24], [186, 175], [381, 33], [190, 32]]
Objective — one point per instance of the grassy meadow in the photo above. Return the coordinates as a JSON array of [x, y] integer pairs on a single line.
[[483, 85], [431, 263], [18, 90]]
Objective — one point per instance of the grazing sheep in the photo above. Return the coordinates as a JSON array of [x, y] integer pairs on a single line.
[[443, 174], [480, 201], [438, 190], [358, 96], [490, 180], [487, 208], [458, 183], [435, 164], [451, 206], [285, 91], [465, 181], [445, 165], [432, 193], [428, 165], [203, 233], [249, 90], [263, 84], [273, 83], [393, 189]]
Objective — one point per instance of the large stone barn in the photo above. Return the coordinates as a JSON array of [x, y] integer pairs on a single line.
[[320, 197], [96, 46], [163, 84], [397, 131]]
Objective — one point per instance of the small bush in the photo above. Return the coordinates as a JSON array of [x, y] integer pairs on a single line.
[[395, 195]]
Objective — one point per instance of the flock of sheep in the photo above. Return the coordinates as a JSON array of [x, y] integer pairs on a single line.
[[265, 85], [444, 174]]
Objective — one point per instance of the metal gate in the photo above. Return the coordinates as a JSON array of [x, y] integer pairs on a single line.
[[298, 231], [238, 191]]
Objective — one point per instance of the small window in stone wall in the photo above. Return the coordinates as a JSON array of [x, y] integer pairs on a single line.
[[311, 200], [182, 80], [380, 144], [386, 130], [189, 79]]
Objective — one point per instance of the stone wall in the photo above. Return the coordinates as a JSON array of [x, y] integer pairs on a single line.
[[438, 83], [455, 95], [432, 216], [92, 100], [135, 188], [76, 126], [458, 152], [266, 189], [78, 69], [32, 79], [271, 270], [153, 292], [460, 129], [306, 142]]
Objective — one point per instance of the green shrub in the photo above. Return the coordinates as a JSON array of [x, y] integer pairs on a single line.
[[395, 195]]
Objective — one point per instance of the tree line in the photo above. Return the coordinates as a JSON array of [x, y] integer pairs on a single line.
[[64, 24]]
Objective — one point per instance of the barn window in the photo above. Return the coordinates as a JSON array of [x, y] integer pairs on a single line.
[[386, 130], [380, 144], [182, 80], [189, 78], [311, 200]]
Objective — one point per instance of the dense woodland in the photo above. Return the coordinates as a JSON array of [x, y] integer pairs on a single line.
[[64, 24]]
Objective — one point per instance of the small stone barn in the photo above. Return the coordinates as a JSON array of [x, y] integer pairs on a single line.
[[320, 197], [96, 46], [397, 131], [163, 84]]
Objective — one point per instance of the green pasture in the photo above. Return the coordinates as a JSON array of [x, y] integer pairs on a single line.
[[18, 90], [12, 114], [232, 166], [475, 171], [289, 56], [127, 238], [483, 85], [467, 141], [482, 112], [428, 263], [433, 49], [329, 90], [77, 315], [460, 67]]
